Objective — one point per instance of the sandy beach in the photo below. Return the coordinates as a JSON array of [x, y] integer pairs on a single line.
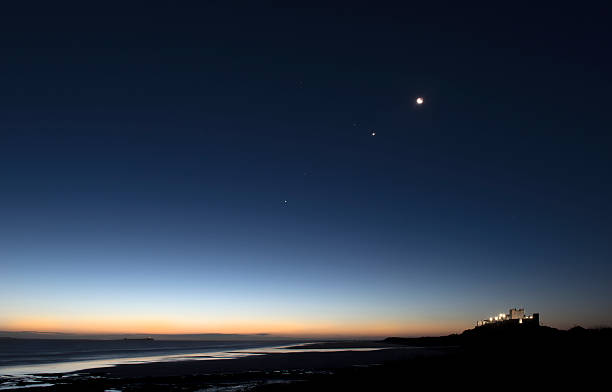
[[535, 358], [257, 370], [316, 360]]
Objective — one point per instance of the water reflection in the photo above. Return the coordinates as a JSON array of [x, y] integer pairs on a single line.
[[73, 366]]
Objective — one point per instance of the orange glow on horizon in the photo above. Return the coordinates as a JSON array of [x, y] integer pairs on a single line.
[[102, 325]]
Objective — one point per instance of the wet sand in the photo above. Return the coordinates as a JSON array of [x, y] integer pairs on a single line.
[[527, 364], [251, 371], [265, 362]]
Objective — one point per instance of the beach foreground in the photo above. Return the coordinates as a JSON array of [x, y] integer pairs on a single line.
[[240, 373], [492, 362]]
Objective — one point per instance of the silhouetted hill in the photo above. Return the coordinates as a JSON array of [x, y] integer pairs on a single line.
[[509, 335]]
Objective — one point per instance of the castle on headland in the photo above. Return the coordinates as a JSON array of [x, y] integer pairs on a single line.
[[514, 317]]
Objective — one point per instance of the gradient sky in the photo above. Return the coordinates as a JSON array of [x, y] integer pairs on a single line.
[[146, 155]]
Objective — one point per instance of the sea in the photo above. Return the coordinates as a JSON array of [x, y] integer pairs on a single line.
[[39, 356], [39, 363]]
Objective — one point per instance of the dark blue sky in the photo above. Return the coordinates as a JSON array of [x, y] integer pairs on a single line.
[[146, 155]]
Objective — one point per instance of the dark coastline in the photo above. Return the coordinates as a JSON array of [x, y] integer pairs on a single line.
[[537, 358], [315, 361], [259, 371]]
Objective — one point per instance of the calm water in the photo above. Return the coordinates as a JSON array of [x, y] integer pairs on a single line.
[[32, 356], [39, 363], [19, 357]]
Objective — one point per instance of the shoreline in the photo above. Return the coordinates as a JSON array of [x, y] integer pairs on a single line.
[[535, 358], [70, 362], [296, 362], [333, 357]]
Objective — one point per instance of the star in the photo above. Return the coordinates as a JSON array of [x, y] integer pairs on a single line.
[[419, 101], [373, 133]]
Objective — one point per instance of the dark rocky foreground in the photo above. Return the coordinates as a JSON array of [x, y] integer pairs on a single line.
[[526, 359], [538, 358]]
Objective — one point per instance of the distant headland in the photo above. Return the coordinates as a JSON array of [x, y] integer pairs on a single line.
[[139, 339], [513, 327]]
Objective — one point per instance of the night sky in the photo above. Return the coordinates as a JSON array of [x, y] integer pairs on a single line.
[[212, 168]]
